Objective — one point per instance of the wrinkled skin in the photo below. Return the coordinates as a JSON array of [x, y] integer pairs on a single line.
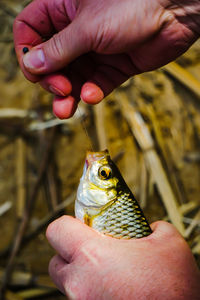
[[100, 43], [91, 266]]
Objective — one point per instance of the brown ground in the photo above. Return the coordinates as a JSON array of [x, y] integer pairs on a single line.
[[175, 116]]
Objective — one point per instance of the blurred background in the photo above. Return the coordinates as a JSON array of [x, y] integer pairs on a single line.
[[151, 126]]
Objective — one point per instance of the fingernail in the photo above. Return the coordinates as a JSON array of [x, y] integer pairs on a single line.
[[34, 59], [56, 91], [91, 93]]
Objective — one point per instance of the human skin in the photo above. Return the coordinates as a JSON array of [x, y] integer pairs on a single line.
[[92, 266], [92, 46]]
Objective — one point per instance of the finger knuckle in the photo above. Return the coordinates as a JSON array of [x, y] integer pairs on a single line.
[[89, 253], [56, 47], [52, 265], [71, 294]]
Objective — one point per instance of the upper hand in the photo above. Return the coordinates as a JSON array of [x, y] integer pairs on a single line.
[[92, 46], [92, 266]]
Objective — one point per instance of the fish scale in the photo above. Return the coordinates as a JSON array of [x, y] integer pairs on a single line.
[[105, 202], [128, 224]]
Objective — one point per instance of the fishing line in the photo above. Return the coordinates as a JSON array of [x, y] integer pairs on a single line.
[[85, 130]]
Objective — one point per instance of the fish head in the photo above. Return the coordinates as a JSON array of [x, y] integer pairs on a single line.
[[98, 184]]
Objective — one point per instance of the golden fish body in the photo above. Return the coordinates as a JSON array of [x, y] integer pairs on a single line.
[[105, 202]]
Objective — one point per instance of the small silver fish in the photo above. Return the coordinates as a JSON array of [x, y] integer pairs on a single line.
[[105, 202]]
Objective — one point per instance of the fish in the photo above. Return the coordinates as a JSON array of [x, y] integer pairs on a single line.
[[105, 202]]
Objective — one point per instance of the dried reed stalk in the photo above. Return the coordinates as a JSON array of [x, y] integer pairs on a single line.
[[35, 293], [196, 248], [165, 153], [194, 223], [24, 279], [143, 184], [100, 127], [20, 176], [146, 143], [23, 225], [188, 207], [185, 77], [12, 296]]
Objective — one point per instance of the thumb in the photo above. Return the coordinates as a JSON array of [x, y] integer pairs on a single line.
[[58, 51], [67, 234]]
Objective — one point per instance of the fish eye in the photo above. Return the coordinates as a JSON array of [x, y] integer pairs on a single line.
[[105, 172]]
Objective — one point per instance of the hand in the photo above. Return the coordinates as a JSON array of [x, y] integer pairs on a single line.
[[92, 266], [92, 46]]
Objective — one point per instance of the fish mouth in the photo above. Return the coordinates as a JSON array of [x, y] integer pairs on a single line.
[[95, 156]]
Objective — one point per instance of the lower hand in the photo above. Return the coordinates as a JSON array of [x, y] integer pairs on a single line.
[[92, 266]]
